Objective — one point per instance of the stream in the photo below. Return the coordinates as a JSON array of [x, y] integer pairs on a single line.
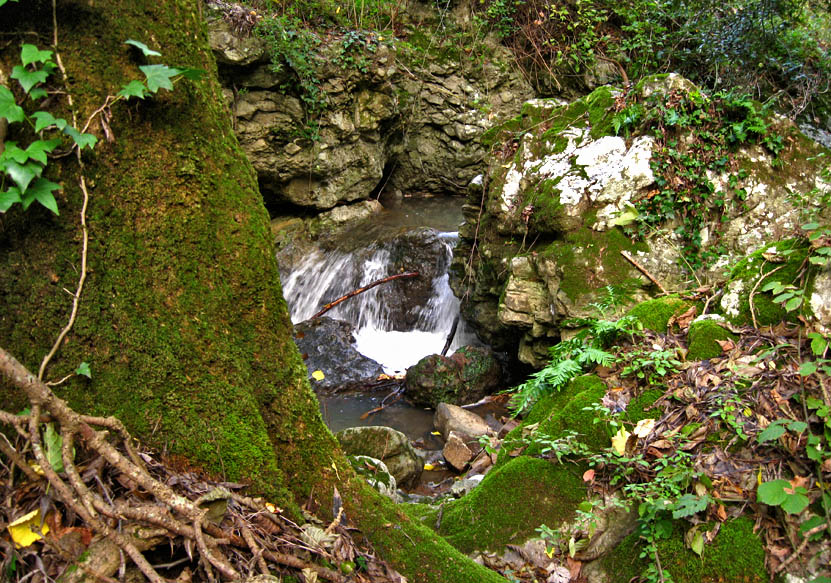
[[397, 323]]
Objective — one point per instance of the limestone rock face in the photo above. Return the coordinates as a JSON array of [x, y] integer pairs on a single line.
[[421, 122], [386, 444], [563, 185], [465, 377]]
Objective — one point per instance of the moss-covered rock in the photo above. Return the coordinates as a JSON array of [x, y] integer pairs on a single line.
[[465, 377], [780, 261], [702, 339], [510, 503], [736, 554], [655, 314]]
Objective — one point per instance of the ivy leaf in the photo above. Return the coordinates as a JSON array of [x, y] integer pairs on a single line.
[[31, 54], [192, 74], [83, 369], [134, 88], [23, 174], [83, 140], [145, 50], [38, 93], [41, 191], [8, 198], [28, 79], [8, 108], [793, 303], [44, 119], [12, 152], [818, 343], [158, 77], [4, 1], [807, 368], [38, 149]]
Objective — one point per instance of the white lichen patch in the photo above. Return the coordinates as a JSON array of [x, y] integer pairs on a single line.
[[821, 301], [731, 300]]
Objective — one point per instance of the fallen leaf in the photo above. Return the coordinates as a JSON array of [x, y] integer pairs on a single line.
[[23, 529], [318, 375], [644, 428], [429, 467], [588, 476], [619, 441], [726, 345]]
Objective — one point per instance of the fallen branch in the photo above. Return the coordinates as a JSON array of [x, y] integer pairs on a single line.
[[642, 269], [361, 290], [450, 336]]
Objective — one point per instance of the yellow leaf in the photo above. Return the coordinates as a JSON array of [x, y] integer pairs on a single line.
[[318, 375], [435, 433], [619, 441], [429, 467], [36, 467], [22, 531]]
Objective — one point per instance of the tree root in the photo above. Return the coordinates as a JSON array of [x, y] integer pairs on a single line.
[[122, 498]]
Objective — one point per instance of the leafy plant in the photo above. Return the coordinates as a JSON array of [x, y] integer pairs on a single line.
[[651, 365]]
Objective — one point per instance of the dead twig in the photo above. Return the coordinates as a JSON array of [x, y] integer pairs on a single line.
[[361, 290], [642, 269]]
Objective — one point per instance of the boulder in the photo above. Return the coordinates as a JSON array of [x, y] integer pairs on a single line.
[[465, 424], [465, 377], [327, 345], [456, 452], [386, 444]]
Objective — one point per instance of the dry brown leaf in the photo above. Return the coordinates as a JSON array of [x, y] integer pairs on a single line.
[[726, 345]]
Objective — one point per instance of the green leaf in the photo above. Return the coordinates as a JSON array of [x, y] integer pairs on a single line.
[[8, 108], [38, 149], [83, 140], [810, 226], [793, 303], [12, 152], [53, 442], [37, 93], [158, 77], [807, 368], [192, 74], [23, 174], [41, 191], [134, 88], [696, 541], [145, 50], [690, 504], [773, 431], [4, 1], [28, 79], [795, 503], [31, 54], [797, 426], [772, 493], [44, 119], [8, 198], [83, 369], [815, 260]]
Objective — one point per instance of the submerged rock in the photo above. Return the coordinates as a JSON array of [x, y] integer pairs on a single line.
[[386, 444], [465, 377], [327, 345]]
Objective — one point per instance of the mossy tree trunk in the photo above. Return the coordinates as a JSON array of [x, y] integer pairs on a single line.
[[182, 318]]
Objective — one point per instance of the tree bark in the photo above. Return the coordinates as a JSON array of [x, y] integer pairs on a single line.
[[182, 317]]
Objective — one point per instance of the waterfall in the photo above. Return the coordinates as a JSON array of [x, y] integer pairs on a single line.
[[396, 323]]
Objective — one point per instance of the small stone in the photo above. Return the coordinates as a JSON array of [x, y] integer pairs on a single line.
[[456, 452], [451, 418], [291, 148]]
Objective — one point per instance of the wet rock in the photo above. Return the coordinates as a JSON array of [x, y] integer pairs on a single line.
[[465, 377], [452, 418], [462, 487], [376, 473], [481, 463], [456, 452], [327, 345], [386, 444]]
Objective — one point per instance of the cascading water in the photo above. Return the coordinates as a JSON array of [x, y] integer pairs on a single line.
[[396, 323]]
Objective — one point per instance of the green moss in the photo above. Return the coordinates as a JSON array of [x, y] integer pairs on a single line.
[[702, 337], [736, 554], [563, 411], [754, 272], [510, 503], [591, 260], [655, 314], [637, 408], [411, 546]]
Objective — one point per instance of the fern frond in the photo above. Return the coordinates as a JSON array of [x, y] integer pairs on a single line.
[[591, 355]]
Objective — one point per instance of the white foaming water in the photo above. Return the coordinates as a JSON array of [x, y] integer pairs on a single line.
[[324, 277]]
